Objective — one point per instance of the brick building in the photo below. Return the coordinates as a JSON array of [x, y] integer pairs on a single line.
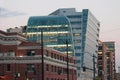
[[21, 60], [102, 60], [106, 61], [110, 69], [111, 59]]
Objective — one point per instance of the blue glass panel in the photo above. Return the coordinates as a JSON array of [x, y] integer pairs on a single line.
[[77, 54], [78, 68], [74, 16], [77, 47], [78, 61]]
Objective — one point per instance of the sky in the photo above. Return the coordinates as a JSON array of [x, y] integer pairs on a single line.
[[15, 13]]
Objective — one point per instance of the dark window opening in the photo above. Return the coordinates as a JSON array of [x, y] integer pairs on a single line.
[[8, 67]]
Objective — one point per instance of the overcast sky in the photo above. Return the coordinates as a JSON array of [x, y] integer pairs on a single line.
[[14, 13]]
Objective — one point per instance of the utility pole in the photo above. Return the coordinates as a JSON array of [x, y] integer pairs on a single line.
[[42, 55], [67, 59], [93, 67], [15, 74]]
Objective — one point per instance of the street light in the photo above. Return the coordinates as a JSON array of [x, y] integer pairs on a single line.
[[15, 74]]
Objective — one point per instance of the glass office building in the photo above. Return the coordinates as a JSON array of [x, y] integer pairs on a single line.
[[85, 30], [56, 30]]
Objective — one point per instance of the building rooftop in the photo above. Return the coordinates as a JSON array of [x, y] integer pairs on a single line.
[[47, 20], [11, 33]]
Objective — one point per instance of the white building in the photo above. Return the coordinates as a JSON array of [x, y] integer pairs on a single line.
[[85, 30]]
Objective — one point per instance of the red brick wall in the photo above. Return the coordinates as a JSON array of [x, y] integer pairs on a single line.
[[21, 67]]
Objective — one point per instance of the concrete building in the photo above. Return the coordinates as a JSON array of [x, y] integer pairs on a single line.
[[85, 30], [118, 74], [102, 61], [21, 60], [118, 69]]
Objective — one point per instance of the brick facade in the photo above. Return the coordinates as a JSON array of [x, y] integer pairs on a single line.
[[22, 61]]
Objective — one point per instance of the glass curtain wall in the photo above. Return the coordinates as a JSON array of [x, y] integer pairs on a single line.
[[56, 30]]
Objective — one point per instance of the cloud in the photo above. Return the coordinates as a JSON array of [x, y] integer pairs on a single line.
[[7, 13]]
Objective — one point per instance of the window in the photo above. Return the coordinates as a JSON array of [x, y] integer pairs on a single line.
[[78, 74], [59, 70], [63, 58], [100, 63], [47, 67], [55, 56], [77, 61], [97, 35], [52, 68], [100, 68], [74, 16], [47, 53], [78, 68], [64, 11], [76, 22], [51, 55], [98, 29], [76, 28], [47, 78], [100, 48], [30, 67], [99, 57], [77, 41], [76, 34], [77, 54], [58, 57], [77, 47], [100, 72], [65, 70], [99, 53], [8, 67], [55, 69], [51, 78], [30, 53]]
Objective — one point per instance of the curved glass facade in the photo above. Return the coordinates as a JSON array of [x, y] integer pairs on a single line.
[[56, 30]]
